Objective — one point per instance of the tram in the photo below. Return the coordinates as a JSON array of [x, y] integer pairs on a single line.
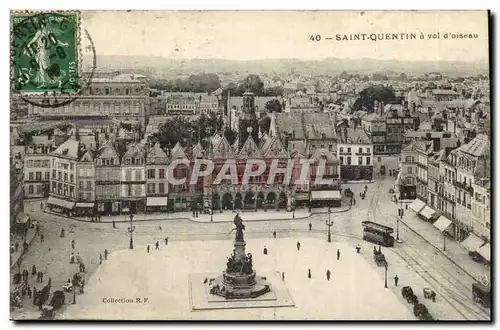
[[378, 234]]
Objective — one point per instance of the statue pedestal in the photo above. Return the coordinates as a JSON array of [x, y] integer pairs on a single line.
[[239, 280]]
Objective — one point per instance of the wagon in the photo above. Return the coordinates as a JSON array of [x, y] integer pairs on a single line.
[[429, 294]]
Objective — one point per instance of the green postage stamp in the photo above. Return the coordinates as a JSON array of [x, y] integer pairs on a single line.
[[45, 52]]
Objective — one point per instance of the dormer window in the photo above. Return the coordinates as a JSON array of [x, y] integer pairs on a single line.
[[127, 161]]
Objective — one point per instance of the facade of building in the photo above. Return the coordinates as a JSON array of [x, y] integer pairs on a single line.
[[120, 96], [16, 195], [37, 167], [481, 208], [133, 179], [107, 180], [63, 177], [424, 151], [85, 184], [375, 127], [180, 105], [398, 120], [208, 104], [407, 176], [355, 152], [156, 179]]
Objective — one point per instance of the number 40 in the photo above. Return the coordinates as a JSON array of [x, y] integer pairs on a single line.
[[315, 37]]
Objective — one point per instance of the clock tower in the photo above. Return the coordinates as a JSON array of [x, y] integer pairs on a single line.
[[248, 124]]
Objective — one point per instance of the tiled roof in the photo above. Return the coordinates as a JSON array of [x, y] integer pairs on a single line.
[[353, 135], [477, 147], [68, 149]]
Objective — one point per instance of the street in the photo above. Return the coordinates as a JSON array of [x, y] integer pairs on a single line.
[[416, 259]]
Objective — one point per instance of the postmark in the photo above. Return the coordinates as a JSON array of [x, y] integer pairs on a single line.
[[45, 52], [46, 57]]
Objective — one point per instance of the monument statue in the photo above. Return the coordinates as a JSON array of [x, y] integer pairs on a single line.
[[238, 222], [239, 280]]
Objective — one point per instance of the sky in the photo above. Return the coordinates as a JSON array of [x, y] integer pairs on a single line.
[[255, 35]]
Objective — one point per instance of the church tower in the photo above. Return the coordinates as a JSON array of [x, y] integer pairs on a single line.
[[248, 123]]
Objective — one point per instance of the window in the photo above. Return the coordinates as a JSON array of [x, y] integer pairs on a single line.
[[80, 184], [72, 178], [107, 91], [360, 160], [341, 149], [151, 173], [53, 174], [349, 150], [112, 161], [161, 173], [47, 175], [161, 187], [72, 191], [368, 150], [138, 175], [89, 185], [65, 176], [409, 170], [30, 189], [71, 166], [330, 147], [151, 188], [348, 160], [368, 160], [30, 175], [360, 150], [341, 160]]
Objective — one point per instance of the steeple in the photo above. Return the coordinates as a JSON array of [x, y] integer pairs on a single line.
[[248, 124]]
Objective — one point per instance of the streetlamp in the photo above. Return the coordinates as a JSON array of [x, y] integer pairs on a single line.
[[444, 241], [75, 284], [400, 214], [329, 223], [131, 229], [293, 206], [386, 265]]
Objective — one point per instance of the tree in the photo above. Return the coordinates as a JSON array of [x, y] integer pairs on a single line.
[[273, 91], [230, 135], [372, 93], [253, 83], [274, 105]]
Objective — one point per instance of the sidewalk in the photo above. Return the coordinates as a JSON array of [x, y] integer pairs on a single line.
[[17, 255], [225, 216], [454, 250]]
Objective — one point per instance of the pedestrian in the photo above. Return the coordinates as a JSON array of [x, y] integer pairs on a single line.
[[309, 273], [274, 234], [396, 279], [265, 250], [366, 188], [41, 277], [310, 226], [354, 200], [283, 276], [73, 244], [33, 270], [406, 206], [16, 246], [159, 228], [157, 245], [148, 248], [105, 254], [114, 224], [338, 254], [166, 241], [358, 248], [298, 246], [99, 218], [193, 213], [100, 258], [25, 246], [328, 274]]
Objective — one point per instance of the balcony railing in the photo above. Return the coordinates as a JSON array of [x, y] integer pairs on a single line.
[[463, 186]]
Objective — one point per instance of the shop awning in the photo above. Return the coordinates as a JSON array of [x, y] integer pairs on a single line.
[[61, 203], [85, 205], [325, 195], [442, 223], [157, 201], [417, 205], [472, 243], [22, 217], [485, 251], [427, 212]]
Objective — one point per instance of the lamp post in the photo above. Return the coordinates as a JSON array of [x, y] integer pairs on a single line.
[[131, 229], [400, 214], [75, 284], [293, 206], [329, 223], [386, 265], [444, 241]]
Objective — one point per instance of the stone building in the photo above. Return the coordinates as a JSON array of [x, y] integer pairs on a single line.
[[133, 179], [108, 180], [37, 167], [481, 208], [110, 94], [156, 180], [85, 181], [355, 152], [63, 191]]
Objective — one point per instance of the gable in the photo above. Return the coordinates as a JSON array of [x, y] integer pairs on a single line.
[[178, 152], [276, 149], [250, 148], [223, 149], [87, 157]]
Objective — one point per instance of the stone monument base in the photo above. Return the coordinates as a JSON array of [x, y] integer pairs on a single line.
[[239, 286], [202, 299]]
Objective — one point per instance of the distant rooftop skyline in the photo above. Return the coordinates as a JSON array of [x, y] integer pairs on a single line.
[[260, 35]]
